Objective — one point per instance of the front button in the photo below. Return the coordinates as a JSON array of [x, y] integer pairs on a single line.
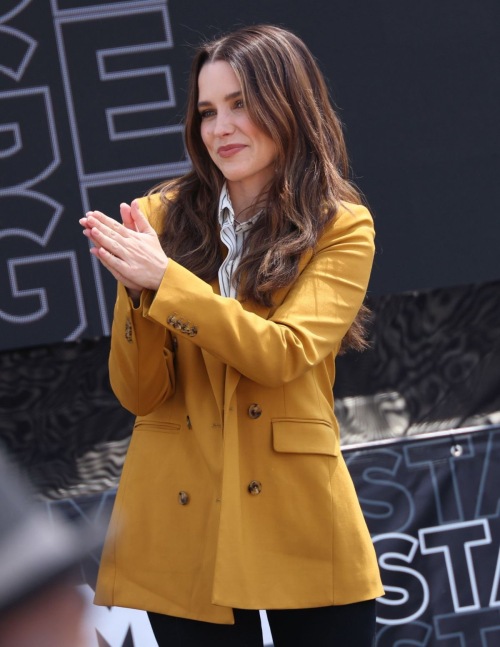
[[128, 330], [255, 487], [188, 420], [175, 343], [183, 498], [254, 410]]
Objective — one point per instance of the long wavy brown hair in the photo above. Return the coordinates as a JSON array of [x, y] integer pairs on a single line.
[[286, 96]]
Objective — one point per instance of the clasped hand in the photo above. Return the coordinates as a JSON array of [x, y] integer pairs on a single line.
[[131, 252]]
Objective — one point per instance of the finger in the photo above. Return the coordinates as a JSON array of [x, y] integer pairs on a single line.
[[110, 240], [141, 222], [113, 263], [100, 230], [84, 221], [97, 217], [88, 234], [128, 221], [118, 275], [94, 251]]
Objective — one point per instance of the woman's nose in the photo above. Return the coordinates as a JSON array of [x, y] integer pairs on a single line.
[[223, 125]]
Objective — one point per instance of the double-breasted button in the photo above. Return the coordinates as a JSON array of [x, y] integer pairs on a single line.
[[255, 487], [188, 420], [193, 331], [254, 410], [178, 324], [172, 319], [183, 498], [128, 330], [175, 343]]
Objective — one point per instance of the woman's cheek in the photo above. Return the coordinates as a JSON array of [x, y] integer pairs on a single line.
[[205, 134]]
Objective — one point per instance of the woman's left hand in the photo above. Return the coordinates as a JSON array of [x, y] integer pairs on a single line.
[[135, 255]]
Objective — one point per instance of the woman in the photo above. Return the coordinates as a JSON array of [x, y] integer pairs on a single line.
[[238, 284]]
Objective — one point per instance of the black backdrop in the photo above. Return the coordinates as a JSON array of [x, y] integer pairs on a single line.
[[92, 94]]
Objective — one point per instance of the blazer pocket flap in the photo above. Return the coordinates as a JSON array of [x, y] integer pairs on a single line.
[[158, 425], [304, 437]]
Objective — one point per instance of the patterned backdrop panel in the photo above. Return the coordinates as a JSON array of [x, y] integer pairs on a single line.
[[433, 365]]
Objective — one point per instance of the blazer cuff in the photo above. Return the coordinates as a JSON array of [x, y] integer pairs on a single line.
[[181, 296], [134, 316]]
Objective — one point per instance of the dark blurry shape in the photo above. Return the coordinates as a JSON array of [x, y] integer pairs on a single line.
[[39, 604]]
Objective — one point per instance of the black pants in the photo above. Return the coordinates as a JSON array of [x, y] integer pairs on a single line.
[[350, 625]]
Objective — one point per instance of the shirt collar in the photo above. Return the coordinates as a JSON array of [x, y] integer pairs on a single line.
[[226, 212]]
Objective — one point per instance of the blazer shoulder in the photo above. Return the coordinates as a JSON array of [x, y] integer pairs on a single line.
[[351, 214], [350, 220]]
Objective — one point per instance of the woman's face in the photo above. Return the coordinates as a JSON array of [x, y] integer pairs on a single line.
[[242, 151]]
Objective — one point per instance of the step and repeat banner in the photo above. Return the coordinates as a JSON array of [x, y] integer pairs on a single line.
[[433, 509], [90, 119], [92, 94]]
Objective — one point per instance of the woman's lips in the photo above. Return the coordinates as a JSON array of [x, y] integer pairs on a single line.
[[229, 151]]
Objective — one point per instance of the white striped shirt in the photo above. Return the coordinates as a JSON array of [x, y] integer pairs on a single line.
[[232, 235]]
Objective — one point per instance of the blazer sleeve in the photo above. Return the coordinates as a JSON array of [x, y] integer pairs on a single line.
[[141, 361], [308, 325]]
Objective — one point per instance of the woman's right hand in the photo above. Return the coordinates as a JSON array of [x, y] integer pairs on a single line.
[[134, 290]]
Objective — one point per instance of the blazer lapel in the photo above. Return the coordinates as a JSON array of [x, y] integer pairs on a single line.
[[224, 379], [232, 375], [215, 368]]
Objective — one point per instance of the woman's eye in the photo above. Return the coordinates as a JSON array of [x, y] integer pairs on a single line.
[[239, 103], [206, 113]]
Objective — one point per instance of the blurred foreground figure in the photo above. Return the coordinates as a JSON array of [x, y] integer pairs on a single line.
[[39, 605]]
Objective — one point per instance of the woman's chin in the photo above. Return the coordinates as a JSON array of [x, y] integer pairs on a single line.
[[234, 176]]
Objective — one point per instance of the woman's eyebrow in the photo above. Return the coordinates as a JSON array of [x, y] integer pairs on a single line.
[[228, 97]]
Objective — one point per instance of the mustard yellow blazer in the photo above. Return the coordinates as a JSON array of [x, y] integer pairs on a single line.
[[234, 492]]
